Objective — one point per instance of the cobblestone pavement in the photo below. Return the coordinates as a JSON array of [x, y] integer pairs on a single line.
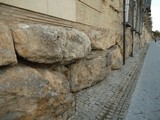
[[145, 102], [107, 100]]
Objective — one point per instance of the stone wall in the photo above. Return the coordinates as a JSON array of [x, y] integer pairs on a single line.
[[45, 61], [43, 65], [83, 11], [100, 13], [146, 35]]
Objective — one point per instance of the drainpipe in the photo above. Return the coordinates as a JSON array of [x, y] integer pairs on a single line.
[[124, 31], [132, 30], [132, 42]]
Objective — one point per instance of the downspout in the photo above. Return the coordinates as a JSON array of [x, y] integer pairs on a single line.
[[124, 31], [132, 30], [141, 23]]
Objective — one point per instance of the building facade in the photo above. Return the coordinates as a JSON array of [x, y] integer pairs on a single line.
[[52, 49]]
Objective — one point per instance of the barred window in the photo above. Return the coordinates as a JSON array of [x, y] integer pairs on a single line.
[[147, 3], [139, 17], [129, 13]]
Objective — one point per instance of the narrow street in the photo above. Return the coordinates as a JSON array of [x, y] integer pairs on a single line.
[[145, 102]]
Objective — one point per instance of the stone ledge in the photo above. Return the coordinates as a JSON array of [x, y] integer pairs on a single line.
[[15, 14], [11, 14]]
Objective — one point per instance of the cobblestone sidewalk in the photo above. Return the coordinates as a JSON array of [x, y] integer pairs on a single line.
[[110, 98]]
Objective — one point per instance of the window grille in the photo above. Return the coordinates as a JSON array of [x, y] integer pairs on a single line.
[[147, 3], [129, 13], [139, 17]]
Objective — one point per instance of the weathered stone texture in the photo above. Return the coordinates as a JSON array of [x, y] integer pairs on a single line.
[[33, 91], [44, 93], [100, 13], [50, 44], [39, 43], [27, 94], [114, 58], [103, 39], [77, 45], [136, 45], [128, 42], [128, 46], [89, 71], [146, 36], [119, 42], [7, 52]]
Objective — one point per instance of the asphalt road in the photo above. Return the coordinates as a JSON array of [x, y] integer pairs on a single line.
[[145, 101]]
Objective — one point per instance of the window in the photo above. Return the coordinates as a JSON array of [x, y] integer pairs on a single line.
[[139, 17], [147, 3], [129, 13]]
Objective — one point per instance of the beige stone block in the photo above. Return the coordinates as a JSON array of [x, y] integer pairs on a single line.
[[10, 2], [96, 4], [7, 52], [62, 8], [114, 58], [65, 9], [38, 94], [87, 72], [38, 6], [50, 44]]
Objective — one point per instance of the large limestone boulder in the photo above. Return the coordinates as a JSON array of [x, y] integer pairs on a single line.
[[28, 94], [77, 45], [38, 43], [103, 39], [7, 52], [114, 58], [87, 72], [50, 44]]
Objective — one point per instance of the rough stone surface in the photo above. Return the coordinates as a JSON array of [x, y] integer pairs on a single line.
[[114, 58], [77, 45], [108, 100], [103, 39], [89, 71], [50, 44], [119, 42], [39, 43], [95, 102], [27, 94], [128, 46], [7, 52]]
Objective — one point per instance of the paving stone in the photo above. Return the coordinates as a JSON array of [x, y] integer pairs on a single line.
[[107, 99]]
